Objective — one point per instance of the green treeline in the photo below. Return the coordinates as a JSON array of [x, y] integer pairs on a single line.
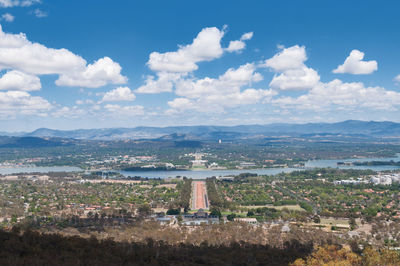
[[378, 163], [185, 192], [215, 200]]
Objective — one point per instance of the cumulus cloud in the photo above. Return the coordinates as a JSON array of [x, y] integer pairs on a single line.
[[295, 79], [231, 81], [163, 83], [397, 78], [181, 104], [13, 103], [7, 17], [288, 58], [13, 3], [354, 64], [292, 73], [239, 45], [119, 94], [173, 71], [18, 53], [205, 47], [69, 112], [330, 96], [98, 74], [127, 111], [170, 67], [226, 91], [16, 80], [345, 96]]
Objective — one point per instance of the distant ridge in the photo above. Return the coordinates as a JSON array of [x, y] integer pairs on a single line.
[[32, 142], [349, 127]]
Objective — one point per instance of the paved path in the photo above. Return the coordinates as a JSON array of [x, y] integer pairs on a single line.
[[199, 195]]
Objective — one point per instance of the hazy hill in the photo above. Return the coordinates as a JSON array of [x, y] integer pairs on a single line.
[[31, 142], [350, 127]]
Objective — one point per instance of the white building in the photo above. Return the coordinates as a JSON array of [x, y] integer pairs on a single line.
[[385, 179]]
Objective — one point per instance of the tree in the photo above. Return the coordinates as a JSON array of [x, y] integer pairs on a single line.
[[215, 212], [352, 223], [231, 217], [173, 211], [384, 257], [250, 213], [144, 210], [330, 255]]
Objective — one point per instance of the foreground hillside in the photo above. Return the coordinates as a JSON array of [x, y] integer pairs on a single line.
[[32, 248]]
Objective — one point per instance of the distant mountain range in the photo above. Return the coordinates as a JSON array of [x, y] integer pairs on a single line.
[[349, 127]]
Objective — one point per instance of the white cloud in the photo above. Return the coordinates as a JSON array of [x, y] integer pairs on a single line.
[[7, 17], [181, 104], [172, 67], [287, 59], [397, 78], [16, 80], [102, 72], [239, 45], [344, 96], [354, 64], [130, 110], [119, 94], [246, 36], [205, 47], [13, 3], [163, 83], [214, 95], [231, 81], [69, 112], [332, 96], [17, 52], [13, 103], [81, 102], [294, 74], [236, 46], [295, 79], [39, 13]]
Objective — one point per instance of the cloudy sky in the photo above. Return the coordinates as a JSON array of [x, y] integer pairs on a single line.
[[93, 64]]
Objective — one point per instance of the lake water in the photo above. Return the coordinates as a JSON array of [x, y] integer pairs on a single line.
[[38, 169], [333, 164], [205, 173], [209, 173], [268, 171]]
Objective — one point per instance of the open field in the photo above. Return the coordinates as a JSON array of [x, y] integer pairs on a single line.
[[334, 222]]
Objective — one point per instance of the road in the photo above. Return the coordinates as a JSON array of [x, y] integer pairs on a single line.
[[199, 195]]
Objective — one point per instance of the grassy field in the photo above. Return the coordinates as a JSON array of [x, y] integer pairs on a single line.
[[335, 222]]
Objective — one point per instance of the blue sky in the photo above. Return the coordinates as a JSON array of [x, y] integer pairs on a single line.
[[93, 64]]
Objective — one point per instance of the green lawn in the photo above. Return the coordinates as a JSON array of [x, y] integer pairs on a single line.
[[289, 207]]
